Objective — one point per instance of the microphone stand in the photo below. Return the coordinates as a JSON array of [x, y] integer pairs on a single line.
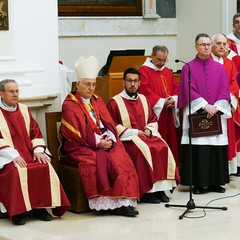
[[190, 204]]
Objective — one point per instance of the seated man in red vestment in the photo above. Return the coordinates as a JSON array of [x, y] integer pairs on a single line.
[[90, 139], [137, 128], [28, 182]]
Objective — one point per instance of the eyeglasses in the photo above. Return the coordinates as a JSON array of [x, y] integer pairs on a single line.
[[88, 84], [204, 45], [12, 92], [132, 81], [236, 22]]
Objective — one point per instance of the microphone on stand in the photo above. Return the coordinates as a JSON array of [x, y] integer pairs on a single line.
[[178, 60], [190, 204]]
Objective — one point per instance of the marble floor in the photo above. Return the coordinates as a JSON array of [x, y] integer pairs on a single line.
[[154, 221]]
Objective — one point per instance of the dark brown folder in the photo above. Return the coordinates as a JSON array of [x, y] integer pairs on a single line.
[[202, 126]]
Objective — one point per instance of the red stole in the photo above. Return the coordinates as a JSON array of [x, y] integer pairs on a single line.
[[94, 126], [107, 172]]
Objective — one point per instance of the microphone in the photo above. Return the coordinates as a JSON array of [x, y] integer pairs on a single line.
[[178, 60]]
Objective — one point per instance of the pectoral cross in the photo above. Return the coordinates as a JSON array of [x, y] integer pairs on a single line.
[[89, 108]]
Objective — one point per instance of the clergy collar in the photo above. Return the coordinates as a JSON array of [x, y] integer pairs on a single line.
[[148, 63], [126, 96], [4, 106], [217, 59], [231, 54], [232, 37], [236, 35], [86, 100]]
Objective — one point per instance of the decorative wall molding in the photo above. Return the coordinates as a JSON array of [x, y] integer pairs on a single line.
[[39, 101], [115, 26], [21, 69]]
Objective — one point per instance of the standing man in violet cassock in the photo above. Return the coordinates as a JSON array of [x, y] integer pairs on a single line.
[[137, 128], [161, 89], [219, 47], [209, 93], [28, 181], [90, 139]]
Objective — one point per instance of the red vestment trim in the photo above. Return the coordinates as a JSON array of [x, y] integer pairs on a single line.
[[94, 126]]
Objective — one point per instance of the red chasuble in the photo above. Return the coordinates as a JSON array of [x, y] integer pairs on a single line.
[[232, 45], [37, 185], [156, 85], [79, 145], [151, 156], [236, 60], [234, 89]]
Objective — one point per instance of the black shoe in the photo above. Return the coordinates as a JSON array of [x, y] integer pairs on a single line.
[[217, 189], [101, 212], [199, 190], [4, 215], [238, 172], [161, 196], [125, 211], [18, 219], [150, 198], [42, 214]]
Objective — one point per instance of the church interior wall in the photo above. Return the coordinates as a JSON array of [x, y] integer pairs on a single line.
[[101, 46], [84, 36], [205, 16]]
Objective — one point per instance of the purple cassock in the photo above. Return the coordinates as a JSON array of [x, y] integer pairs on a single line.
[[208, 80], [209, 158]]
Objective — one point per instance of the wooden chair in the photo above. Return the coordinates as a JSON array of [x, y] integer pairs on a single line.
[[68, 174]]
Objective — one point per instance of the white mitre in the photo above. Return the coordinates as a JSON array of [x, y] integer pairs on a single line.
[[87, 67]]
